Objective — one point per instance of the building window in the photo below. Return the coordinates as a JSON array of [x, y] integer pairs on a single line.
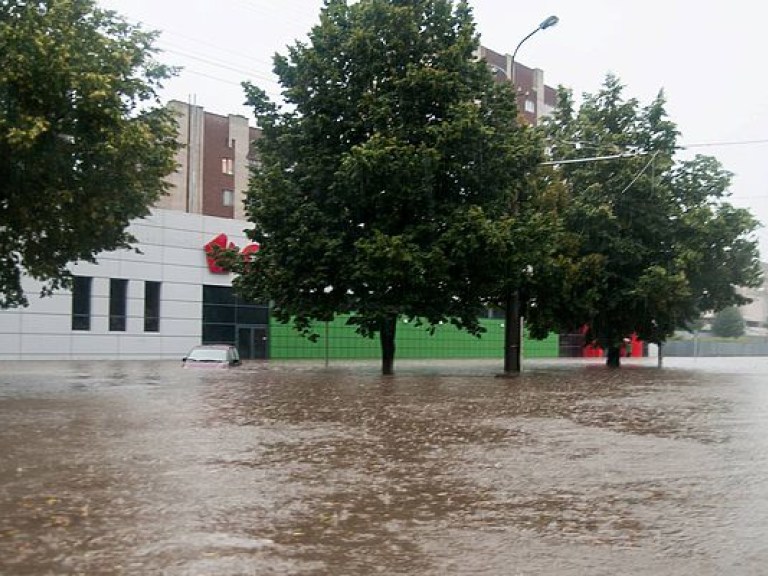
[[151, 306], [227, 166], [228, 197], [118, 304], [530, 107], [81, 302]]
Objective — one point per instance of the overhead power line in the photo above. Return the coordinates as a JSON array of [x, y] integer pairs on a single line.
[[592, 159], [211, 46], [637, 177], [728, 143], [220, 64], [216, 78]]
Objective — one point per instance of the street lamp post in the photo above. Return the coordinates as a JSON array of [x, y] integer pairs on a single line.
[[548, 23], [513, 332]]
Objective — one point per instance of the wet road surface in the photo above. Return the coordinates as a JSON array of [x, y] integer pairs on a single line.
[[443, 469]]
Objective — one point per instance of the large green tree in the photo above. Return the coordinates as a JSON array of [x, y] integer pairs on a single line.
[[670, 245], [84, 143], [385, 187]]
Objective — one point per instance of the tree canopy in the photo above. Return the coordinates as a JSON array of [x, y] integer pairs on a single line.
[[670, 245], [384, 189], [728, 323], [84, 142]]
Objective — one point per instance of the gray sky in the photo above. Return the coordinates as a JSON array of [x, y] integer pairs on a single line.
[[703, 54]]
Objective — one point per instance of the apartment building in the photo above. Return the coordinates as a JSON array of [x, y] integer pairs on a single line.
[[534, 98], [214, 163]]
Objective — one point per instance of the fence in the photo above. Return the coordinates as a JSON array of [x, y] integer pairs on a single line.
[[338, 341], [697, 346]]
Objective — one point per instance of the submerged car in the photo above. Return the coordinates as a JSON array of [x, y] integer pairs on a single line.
[[212, 356]]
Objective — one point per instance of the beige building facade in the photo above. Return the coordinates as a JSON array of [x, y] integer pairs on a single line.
[[213, 163]]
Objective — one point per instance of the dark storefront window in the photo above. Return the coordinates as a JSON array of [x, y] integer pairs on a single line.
[[151, 306], [118, 304], [218, 314], [218, 334], [227, 319], [81, 302], [218, 295], [252, 314]]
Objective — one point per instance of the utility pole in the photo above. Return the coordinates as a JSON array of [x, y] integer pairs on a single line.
[[513, 333]]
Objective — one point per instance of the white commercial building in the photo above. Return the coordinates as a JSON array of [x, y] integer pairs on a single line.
[[131, 305]]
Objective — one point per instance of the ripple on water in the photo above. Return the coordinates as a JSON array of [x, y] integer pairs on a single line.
[[147, 468]]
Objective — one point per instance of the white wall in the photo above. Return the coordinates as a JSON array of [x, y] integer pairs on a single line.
[[171, 243]]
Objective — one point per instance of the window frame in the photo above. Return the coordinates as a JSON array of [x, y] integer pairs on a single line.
[[529, 106], [82, 297], [152, 300], [118, 304]]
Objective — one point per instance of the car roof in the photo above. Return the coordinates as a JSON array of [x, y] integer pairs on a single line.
[[212, 346]]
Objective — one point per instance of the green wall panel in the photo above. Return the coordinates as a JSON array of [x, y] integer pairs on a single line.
[[340, 341]]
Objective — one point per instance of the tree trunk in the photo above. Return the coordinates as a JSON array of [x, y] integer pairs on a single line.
[[387, 338], [613, 357], [512, 335]]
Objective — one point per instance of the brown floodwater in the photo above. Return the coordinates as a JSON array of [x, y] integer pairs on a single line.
[[443, 469]]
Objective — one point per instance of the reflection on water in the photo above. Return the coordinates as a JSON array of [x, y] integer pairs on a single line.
[[141, 468]]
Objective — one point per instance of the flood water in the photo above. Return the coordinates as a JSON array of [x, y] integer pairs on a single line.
[[443, 469]]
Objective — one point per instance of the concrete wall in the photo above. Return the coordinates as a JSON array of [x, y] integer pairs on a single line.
[[240, 138], [186, 183]]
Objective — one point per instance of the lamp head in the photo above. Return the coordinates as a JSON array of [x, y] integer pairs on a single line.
[[551, 21]]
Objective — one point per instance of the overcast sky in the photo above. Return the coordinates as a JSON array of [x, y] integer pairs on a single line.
[[707, 56]]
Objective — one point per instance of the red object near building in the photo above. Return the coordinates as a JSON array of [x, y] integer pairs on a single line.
[[633, 348], [221, 242], [250, 249]]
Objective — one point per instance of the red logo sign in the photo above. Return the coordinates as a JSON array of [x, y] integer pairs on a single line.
[[221, 242]]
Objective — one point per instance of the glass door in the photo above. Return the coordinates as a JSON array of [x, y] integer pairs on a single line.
[[252, 342]]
